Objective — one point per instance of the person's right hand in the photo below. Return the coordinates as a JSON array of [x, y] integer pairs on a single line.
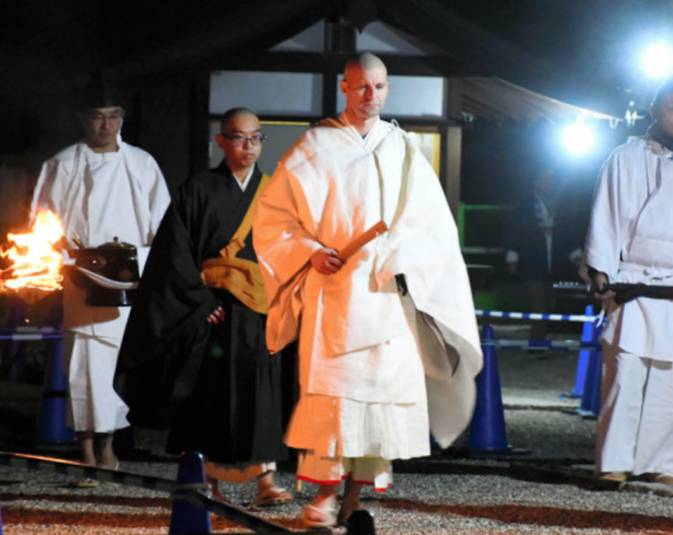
[[216, 316], [600, 281], [326, 261]]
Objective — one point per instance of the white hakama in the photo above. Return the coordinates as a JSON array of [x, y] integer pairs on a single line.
[[90, 364], [634, 432], [99, 196], [361, 434]]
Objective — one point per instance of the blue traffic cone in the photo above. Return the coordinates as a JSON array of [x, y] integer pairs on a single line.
[[52, 428], [188, 519], [598, 379], [360, 522], [487, 430], [591, 397], [589, 330]]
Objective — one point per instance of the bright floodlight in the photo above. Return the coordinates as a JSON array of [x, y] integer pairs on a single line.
[[578, 138], [657, 60]]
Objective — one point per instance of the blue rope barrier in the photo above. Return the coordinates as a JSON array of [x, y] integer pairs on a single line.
[[541, 345], [535, 316], [30, 335]]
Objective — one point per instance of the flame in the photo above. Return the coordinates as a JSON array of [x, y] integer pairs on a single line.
[[35, 262]]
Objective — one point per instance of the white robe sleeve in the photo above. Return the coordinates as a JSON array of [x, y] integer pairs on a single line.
[[423, 245], [158, 199], [282, 241], [284, 246], [42, 198], [618, 195]]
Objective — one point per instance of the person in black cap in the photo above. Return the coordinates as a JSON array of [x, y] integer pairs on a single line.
[[630, 240], [103, 190]]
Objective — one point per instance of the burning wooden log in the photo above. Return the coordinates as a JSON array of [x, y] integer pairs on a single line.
[[34, 260]]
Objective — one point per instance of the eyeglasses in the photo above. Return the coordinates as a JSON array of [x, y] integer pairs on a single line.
[[240, 139], [114, 117]]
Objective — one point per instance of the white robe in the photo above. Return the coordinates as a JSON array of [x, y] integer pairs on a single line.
[[100, 196], [630, 239], [330, 187]]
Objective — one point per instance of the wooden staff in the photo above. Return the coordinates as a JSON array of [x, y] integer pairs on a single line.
[[363, 239]]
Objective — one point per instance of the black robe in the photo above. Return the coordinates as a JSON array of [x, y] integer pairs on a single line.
[[214, 387]]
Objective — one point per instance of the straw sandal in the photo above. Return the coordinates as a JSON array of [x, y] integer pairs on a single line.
[[273, 496], [324, 516], [86, 483], [618, 477], [665, 479]]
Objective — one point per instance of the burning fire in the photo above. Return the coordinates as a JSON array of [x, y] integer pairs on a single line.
[[35, 263]]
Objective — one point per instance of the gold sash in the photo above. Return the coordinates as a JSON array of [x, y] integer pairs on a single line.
[[240, 277]]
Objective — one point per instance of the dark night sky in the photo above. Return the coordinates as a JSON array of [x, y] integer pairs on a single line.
[[591, 43]]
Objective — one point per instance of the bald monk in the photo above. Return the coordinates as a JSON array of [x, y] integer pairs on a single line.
[[388, 343]]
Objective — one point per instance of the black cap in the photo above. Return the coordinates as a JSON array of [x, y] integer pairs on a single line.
[[665, 88], [99, 92]]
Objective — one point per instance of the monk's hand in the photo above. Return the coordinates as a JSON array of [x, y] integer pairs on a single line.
[[600, 282], [216, 316], [326, 261]]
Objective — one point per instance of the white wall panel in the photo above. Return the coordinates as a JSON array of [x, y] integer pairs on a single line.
[[270, 93]]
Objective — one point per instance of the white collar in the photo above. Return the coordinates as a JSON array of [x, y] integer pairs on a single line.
[[244, 183], [344, 120], [93, 156]]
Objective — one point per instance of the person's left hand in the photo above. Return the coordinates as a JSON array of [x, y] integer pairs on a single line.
[[216, 316], [600, 283]]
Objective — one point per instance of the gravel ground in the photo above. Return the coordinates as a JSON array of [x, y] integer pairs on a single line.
[[546, 490]]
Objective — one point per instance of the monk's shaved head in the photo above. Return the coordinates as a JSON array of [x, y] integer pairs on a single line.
[[365, 86], [233, 113], [366, 61], [241, 140]]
